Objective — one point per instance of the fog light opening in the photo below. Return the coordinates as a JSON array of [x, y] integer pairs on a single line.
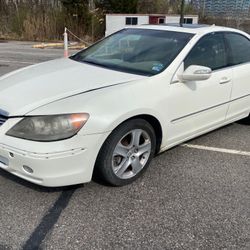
[[28, 169]]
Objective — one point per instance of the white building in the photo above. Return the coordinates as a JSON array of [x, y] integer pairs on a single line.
[[115, 22]]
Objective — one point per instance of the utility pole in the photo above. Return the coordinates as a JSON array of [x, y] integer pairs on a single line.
[[92, 11], [182, 12]]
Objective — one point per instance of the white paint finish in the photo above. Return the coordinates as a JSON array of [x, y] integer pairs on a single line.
[[67, 77], [47, 88], [195, 104], [53, 171], [214, 149], [176, 19], [114, 106], [172, 19], [115, 22], [240, 89], [195, 19]]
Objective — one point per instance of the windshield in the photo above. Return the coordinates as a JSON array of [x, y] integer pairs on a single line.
[[136, 51]]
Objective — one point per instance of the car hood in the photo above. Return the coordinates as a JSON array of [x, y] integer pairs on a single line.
[[29, 88]]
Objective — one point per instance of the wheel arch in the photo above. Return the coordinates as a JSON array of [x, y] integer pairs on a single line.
[[98, 171], [155, 123]]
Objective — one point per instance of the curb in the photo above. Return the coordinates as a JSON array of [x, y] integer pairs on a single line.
[[57, 45]]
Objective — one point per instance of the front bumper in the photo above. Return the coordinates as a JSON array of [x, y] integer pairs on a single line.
[[61, 163]]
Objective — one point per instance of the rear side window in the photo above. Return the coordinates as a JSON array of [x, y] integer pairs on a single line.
[[240, 48], [210, 51]]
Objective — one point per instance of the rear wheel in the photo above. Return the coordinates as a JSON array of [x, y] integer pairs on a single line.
[[126, 153]]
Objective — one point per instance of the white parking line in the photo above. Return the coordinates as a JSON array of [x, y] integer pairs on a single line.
[[19, 62], [221, 150]]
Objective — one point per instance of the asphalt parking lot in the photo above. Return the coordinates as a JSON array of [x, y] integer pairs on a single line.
[[192, 197]]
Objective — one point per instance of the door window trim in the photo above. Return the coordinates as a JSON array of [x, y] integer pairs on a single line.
[[228, 47], [225, 45]]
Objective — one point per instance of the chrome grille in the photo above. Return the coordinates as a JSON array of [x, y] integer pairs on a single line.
[[2, 119]]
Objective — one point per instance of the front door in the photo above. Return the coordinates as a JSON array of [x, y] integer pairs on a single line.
[[199, 106]]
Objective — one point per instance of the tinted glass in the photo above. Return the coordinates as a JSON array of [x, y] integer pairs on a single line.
[[240, 48], [210, 51], [139, 51]]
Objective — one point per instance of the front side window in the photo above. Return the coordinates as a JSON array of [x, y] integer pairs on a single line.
[[137, 51], [240, 48], [210, 51]]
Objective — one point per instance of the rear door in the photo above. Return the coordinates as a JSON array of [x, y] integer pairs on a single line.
[[239, 58]]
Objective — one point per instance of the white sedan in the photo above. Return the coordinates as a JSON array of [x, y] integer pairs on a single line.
[[110, 108]]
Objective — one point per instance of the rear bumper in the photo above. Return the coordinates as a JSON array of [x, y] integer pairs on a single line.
[[72, 164]]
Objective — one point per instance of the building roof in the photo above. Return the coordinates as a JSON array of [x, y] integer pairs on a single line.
[[122, 14]]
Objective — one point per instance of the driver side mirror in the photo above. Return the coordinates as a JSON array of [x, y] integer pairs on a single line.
[[196, 73]]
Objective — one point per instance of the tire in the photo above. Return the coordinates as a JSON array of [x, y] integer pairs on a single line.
[[126, 153]]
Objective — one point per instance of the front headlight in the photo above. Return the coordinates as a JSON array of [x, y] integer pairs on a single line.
[[49, 128]]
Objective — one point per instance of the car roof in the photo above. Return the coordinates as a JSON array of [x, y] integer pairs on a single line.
[[190, 26], [199, 29]]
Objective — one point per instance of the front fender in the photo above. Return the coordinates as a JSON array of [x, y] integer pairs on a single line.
[[109, 107]]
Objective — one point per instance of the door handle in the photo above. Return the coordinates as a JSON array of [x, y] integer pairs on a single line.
[[225, 80]]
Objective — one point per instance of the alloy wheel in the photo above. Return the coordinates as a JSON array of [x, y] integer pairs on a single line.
[[131, 154]]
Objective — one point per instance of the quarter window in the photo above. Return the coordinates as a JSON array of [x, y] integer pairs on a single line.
[[240, 48], [210, 51]]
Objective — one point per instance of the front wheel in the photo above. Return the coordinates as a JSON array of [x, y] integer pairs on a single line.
[[126, 153]]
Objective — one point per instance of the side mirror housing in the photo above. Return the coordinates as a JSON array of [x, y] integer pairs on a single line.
[[196, 73]]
